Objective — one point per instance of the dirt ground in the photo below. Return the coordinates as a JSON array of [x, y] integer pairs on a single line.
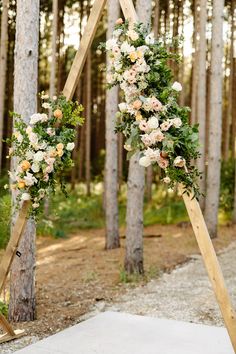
[[75, 273]]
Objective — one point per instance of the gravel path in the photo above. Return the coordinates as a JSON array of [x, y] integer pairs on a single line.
[[185, 294]]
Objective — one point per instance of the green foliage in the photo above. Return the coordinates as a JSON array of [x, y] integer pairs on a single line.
[[227, 185], [5, 212], [3, 308]]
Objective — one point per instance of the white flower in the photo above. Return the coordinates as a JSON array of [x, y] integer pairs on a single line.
[[41, 193], [35, 118], [179, 161], [147, 140], [177, 86], [54, 98], [150, 38], [50, 131], [143, 48], [44, 117], [112, 42], [176, 122], [126, 48], [153, 122], [45, 97], [153, 155], [70, 146], [144, 161], [128, 147], [29, 179], [33, 138], [35, 167], [133, 35], [46, 105], [39, 156], [122, 106], [166, 180], [25, 196], [156, 136], [117, 33], [35, 205], [166, 125], [5, 186], [29, 130], [29, 155], [18, 136]]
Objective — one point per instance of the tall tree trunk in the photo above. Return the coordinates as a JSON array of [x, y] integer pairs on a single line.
[[3, 68], [156, 18], [22, 284], [135, 192], [52, 87], [120, 158], [201, 95], [111, 164], [215, 123], [195, 65], [88, 124]]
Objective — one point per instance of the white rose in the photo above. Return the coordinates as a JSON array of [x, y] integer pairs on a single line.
[[33, 138], [30, 180], [127, 48], [177, 122], [29, 155], [51, 131], [46, 105], [122, 106], [153, 122], [35, 118], [153, 155], [39, 156], [54, 98], [41, 193], [70, 146], [35, 205], [25, 196], [35, 167], [45, 97], [44, 117], [144, 161], [132, 34], [179, 161], [150, 38], [111, 43], [177, 86]]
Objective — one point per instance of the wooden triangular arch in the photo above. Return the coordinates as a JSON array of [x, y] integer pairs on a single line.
[[192, 205]]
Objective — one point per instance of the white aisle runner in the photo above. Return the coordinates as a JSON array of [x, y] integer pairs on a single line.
[[121, 333]]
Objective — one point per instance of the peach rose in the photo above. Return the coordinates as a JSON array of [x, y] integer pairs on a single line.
[[156, 104], [138, 116], [60, 146], [25, 165], [133, 56], [53, 153], [163, 163], [119, 21], [21, 184], [58, 114], [137, 104]]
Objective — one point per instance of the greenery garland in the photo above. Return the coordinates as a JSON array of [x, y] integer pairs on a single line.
[[42, 150], [150, 117]]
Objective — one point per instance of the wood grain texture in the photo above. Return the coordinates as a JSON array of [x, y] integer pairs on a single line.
[[13, 243], [129, 10], [212, 264], [85, 44]]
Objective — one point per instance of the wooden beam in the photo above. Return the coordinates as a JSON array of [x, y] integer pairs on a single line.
[[129, 10], [85, 44], [13, 243], [212, 264]]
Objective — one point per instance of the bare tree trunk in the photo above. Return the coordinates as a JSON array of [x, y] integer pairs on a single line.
[[135, 192], [149, 178], [88, 124], [52, 85], [195, 65], [215, 123], [3, 68], [156, 18], [22, 284], [111, 164], [233, 74], [120, 158], [201, 95]]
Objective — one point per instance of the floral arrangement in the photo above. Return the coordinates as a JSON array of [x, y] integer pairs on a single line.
[[150, 117], [42, 149]]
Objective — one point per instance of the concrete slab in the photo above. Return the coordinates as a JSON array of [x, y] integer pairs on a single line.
[[121, 333]]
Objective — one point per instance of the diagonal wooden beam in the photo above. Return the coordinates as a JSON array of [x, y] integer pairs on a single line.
[[129, 10], [85, 44], [212, 264]]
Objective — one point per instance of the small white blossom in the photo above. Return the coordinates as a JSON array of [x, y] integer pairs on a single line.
[[177, 86], [25, 196], [149, 39], [46, 105], [39, 156], [70, 146], [153, 122]]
